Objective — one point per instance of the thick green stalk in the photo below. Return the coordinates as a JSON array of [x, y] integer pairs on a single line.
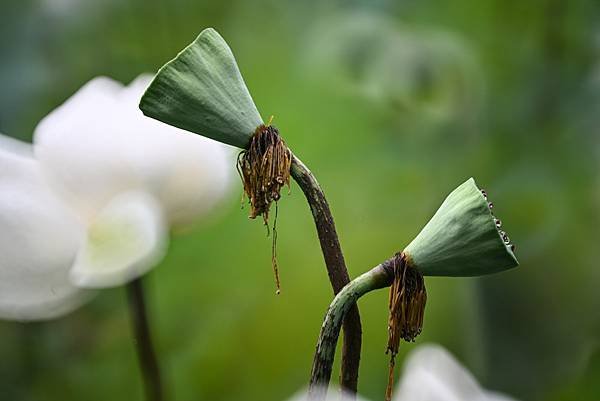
[[336, 269], [379, 277], [145, 350]]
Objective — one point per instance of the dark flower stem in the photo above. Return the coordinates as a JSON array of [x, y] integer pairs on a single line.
[[380, 276], [336, 269], [143, 340]]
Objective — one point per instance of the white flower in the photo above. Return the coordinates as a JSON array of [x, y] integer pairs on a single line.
[[96, 198], [431, 374], [98, 144], [39, 238]]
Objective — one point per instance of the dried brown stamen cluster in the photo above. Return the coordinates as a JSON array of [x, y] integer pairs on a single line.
[[264, 169], [407, 307]]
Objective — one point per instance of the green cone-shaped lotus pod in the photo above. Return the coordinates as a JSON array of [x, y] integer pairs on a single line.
[[202, 91], [462, 238]]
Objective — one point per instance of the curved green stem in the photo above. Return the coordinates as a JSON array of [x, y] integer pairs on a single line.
[[380, 276], [336, 269]]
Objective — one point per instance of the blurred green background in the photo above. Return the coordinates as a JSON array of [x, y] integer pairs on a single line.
[[392, 104]]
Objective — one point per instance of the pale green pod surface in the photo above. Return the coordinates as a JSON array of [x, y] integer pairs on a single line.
[[202, 91], [462, 238]]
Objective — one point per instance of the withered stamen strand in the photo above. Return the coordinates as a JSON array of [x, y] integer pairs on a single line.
[[264, 169], [274, 253], [407, 306], [390, 385]]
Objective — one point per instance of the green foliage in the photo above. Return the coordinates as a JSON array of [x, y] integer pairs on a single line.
[[531, 141]]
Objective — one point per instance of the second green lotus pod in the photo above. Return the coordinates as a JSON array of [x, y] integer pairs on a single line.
[[463, 238]]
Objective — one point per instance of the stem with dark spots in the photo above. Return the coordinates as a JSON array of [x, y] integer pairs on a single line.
[[143, 340], [380, 276], [336, 269]]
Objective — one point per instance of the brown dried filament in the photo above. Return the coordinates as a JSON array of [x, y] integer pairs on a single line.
[[407, 307], [264, 169]]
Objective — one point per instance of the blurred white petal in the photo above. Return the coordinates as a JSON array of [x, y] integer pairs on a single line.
[[198, 181], [333, 394], [432, 374], [11, 149], [188, 173], [39, 238], [98, 144], [125, 240], [80, 149]]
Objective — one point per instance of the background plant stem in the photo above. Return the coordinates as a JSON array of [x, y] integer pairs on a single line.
[[379, 277], [143, 340], [336, 269]]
